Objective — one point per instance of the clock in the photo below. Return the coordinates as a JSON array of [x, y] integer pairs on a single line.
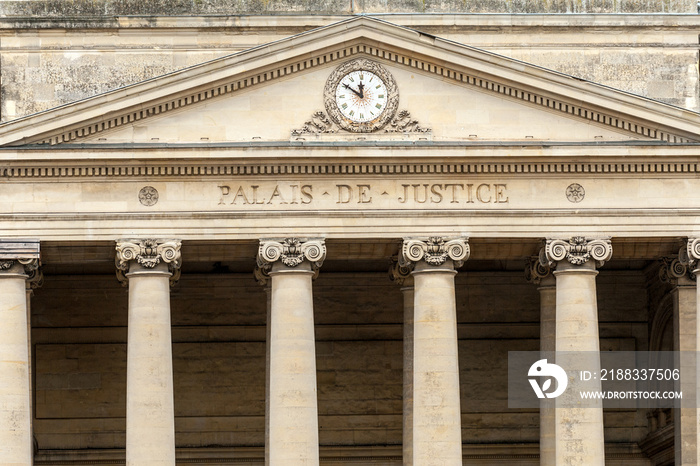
[[361, 96]]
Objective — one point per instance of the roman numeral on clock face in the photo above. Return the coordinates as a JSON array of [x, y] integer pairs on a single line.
[[361, 96]]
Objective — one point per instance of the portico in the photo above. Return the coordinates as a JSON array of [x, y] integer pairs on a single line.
[[198, 184]]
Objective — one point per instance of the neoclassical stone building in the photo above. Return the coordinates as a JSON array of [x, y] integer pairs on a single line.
[[314, 239]]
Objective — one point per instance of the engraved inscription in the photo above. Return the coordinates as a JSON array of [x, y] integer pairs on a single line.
[[377, 195], [454, 193], [254, 194]]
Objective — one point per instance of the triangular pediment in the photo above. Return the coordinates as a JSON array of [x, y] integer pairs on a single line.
[[447, 92]]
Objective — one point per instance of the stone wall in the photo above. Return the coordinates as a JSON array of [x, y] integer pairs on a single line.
[[50, 61], [227, 7]]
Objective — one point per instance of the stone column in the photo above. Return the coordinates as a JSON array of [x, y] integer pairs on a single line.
[[436, 414], [291, 423], [35, 280], [672, 271], [579, 432], [402, 276], [541, 275], [18, 262], [689, 256], [149, 266]]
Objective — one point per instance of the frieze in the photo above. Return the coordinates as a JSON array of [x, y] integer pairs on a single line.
[[341, 194]]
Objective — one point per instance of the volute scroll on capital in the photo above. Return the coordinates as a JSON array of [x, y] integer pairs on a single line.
[[434, 251], [536, 271], [689, 255], [289, 251], [31, 268], [398, 273], [675, 272], [577, 250], [148, 253]]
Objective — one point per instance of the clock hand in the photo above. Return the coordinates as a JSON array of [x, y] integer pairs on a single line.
[[358, 94], [361, 87]]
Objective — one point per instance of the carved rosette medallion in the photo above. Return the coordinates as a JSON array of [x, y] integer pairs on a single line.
[[575, 193], [148, 253], [536, 271], [289, 251], [673, 271], [689, 255], [148, 196], [390, 102], [577, 251], [434, 251]]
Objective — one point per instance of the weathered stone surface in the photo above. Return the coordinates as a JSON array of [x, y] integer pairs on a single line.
[[652, 56], [185, 7]]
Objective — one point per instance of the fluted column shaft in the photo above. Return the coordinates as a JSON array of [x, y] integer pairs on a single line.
[[291, 424], [150, 415], [579, 432], [435, 412], [15, 391]]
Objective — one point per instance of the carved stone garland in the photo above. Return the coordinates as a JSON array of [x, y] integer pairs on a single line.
[[434, 251], [577, 250], [148, 253], [291, 252]]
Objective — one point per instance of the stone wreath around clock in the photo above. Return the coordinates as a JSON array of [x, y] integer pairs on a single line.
[[361, 96]]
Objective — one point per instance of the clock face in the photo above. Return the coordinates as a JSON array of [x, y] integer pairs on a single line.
[[361, 96]]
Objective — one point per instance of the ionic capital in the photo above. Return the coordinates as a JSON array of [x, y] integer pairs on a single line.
[[434, 251], [577, 250], [536, 271], [400, 274], [148, 253], [689, 255], [288, 251], [676, 273], [30, 267], [20, 257]]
